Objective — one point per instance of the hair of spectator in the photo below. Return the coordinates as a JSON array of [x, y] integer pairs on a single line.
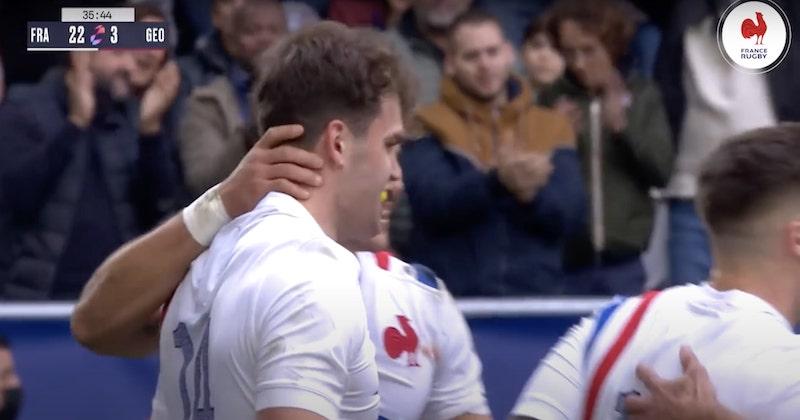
[[243, 11], [474, 16], [747, 175], [144, 9], [537, 26], [4, 343], [612, 21], [329, 71]]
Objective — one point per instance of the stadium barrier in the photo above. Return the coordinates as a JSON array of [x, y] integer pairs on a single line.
[[64, 381]]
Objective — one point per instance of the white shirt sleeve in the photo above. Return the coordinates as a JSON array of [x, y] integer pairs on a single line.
[[305, 338], [457, 385], [554, 391]]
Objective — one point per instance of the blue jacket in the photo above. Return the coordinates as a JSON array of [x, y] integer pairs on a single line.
[[474, 233], [72, 196]]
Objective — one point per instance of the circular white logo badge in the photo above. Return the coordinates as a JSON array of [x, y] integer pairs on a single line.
[[754, 36]]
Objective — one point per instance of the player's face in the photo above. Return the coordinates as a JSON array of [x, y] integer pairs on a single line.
[[585, 55], [370, 165], [147, 63], [112, 71], [480, 60], [381, 241]]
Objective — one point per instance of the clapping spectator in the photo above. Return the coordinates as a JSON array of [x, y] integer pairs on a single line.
[[213, 52], [495, 189], [624, 141], [217, 125], [85, 166]]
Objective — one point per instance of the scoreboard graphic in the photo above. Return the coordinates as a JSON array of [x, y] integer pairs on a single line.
[[94, 29]]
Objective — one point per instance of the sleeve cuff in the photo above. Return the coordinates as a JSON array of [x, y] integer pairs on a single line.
[[291, 397]]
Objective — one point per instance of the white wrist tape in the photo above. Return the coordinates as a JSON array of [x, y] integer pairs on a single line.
[[205, 216]]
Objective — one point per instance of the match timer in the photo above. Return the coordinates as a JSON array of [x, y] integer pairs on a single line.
[[93, 29]]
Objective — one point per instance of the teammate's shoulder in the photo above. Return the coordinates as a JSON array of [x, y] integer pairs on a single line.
[[415, 273]]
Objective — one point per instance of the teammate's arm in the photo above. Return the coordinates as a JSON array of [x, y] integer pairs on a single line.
[[285, 413], [690, 397], [118, 312]]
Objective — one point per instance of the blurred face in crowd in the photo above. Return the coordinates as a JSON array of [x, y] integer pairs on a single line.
[[439, 14], [480, 59], [259, 26], [112, 71], [147, 62], [369, 165], [10, 386], [543, 63], [222, 17], [585, 55]]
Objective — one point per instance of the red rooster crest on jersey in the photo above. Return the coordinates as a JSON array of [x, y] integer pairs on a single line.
[[397, 343], [749, 28]]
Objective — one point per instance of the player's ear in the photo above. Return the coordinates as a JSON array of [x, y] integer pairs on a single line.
[[794, 236], [334, 142]]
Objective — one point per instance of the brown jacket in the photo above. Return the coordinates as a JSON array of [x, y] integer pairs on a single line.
[[475, 130]]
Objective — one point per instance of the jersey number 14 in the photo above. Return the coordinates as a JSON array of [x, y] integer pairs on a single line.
[[192, 409]]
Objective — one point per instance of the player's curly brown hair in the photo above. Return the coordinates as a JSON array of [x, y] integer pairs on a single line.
[[329, 71]]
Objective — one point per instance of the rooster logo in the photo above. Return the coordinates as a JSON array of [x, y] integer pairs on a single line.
[[749, 28], [397, 343], [97, 36]]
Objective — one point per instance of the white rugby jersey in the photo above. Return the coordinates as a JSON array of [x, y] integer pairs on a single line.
[[426, 360], [751, 354], [270, 316]]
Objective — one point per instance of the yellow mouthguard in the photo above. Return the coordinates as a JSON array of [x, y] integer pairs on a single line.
[[384, 196]]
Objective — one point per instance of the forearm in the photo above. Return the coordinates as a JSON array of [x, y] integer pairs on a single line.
[[441, 195], [473, 417], [559, 207], [117, 313]]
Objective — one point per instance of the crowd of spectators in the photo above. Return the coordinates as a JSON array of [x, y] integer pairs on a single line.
[[548, 133]]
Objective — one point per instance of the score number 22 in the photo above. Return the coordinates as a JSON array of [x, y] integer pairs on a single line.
[[76, 34]]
